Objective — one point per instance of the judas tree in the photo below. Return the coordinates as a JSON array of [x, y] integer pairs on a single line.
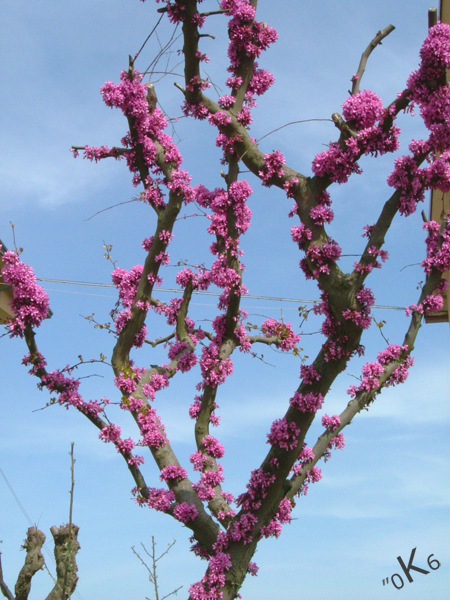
[[226, 530]]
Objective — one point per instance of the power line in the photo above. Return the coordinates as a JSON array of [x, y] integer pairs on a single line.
[[204, 293]]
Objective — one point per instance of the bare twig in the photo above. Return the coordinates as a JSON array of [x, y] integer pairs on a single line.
[[148, 37], [152, 575], [110, 207], [72, 463], [365, 56]]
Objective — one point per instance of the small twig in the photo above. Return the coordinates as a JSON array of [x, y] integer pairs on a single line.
[[278, 129], [110, 207], [411, 265], [72, 463], [152, 570], [287, 125], [162, 340], [178, 86], [365, 56], [148, 37], [18, 251], [213, 12]]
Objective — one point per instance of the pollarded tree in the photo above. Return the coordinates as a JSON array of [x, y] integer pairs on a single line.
[[226, 531]]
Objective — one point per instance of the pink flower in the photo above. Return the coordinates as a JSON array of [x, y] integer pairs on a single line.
[[363, 109], [213, 446], [310, 402], [331, 422], [110, 433], [30, 304], [185, 512], [283, 434], [173, 472]]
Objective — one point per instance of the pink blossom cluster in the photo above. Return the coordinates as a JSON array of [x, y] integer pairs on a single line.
[[30, 303], [321, 256], [209, 480], [438, 257], [331, 423], [287, 339], [390, 353], [323, 308], [127, 283], [410, 180], [242, 529], [338, 442], [433, 99], [257, 489], [427, 87], [157, 382], [273, 167], [66, 387], [110, 433], [127, 381], [335, 349], [152, 430], [283, 433], [289, 187], [214, 369], [283, 515], [185, 512], [169, 310], [364, 111], [376, 253], [305, 455], [158, 498], [371, 373], [248, 38], [309, 374], [337, 163], [301, 235], [213, 446], [309, 402], [312, 476], [362, 317], [173, 472], [430, 304], [214, 579], [97, 153], [130, 95]]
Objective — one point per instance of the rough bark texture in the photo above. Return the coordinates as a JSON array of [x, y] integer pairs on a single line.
[[66, 548], [33, 562]]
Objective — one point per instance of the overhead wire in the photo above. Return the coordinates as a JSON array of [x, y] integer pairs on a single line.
[[205, 293]]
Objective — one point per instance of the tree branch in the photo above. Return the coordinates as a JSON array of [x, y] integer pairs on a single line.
[[365, 56], [3, 587], [34, 561], [66, 548]]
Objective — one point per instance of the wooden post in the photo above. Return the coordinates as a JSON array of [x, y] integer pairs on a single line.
[[440, 202], [5, 293]]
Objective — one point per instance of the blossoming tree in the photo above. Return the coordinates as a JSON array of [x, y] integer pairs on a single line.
[[227, 530]]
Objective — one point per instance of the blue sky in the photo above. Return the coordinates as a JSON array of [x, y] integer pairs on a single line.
[[388, 490]]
